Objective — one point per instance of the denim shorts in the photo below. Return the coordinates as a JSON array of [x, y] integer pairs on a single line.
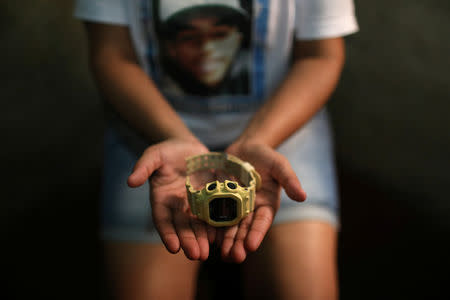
[[126, 212]]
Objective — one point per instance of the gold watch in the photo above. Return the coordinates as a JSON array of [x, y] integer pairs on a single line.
[[222, 203]]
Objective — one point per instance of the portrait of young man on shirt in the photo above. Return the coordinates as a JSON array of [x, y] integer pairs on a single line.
[[203, 47]]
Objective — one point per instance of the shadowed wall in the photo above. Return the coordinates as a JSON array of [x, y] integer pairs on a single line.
[[390, 115], [392, 131]]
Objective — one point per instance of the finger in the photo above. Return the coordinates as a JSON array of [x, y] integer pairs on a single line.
[[202, 237], [283, 173], [148, 163], [211, 231], [163, 219], [262, 220], [228, 240], [219, 237], [188, 241], [238, 252]]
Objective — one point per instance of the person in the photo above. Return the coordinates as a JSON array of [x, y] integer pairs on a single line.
[[202, 48], [295, 55]]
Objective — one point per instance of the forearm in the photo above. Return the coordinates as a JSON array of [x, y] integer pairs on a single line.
[[137, 100], [125, 85], [303, 93]]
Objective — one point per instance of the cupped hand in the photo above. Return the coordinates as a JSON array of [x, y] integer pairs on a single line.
[[164, 164], [276, 173]]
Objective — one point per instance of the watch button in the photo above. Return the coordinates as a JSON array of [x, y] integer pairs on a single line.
[[212, 186], [231, 185]]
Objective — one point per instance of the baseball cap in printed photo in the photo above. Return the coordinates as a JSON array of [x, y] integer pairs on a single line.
[[169, 9]]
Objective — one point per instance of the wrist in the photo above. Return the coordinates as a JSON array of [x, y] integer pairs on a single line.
[[249, 141], [182, 134], [241, 147], [259, 132], [193, 142]]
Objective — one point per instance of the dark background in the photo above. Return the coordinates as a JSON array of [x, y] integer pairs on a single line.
[[390, 115]]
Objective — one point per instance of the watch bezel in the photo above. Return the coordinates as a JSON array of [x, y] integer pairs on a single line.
[[239, 209]]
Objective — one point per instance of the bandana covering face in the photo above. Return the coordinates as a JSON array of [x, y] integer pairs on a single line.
[[223, 50]]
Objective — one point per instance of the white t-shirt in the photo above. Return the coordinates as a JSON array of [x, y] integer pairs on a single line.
[[249, 52]]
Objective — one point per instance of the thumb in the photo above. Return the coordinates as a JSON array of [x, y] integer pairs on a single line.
[[148, 163], [283, 173]]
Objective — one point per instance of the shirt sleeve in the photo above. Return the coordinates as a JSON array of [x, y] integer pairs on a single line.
[[318, 19], [102, 11]]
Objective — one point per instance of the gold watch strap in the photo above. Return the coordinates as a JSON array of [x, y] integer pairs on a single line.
[[243, 171]]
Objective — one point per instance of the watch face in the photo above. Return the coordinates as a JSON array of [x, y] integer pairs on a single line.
[[223, 209]]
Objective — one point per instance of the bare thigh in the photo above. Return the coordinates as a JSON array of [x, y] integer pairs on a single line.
[[296, 261], [141, 271]]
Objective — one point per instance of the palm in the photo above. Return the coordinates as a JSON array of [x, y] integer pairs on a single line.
[[275, 173], [165, 163]]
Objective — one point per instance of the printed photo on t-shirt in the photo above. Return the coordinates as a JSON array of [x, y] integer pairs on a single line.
[[207, 54], [204, 46]]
